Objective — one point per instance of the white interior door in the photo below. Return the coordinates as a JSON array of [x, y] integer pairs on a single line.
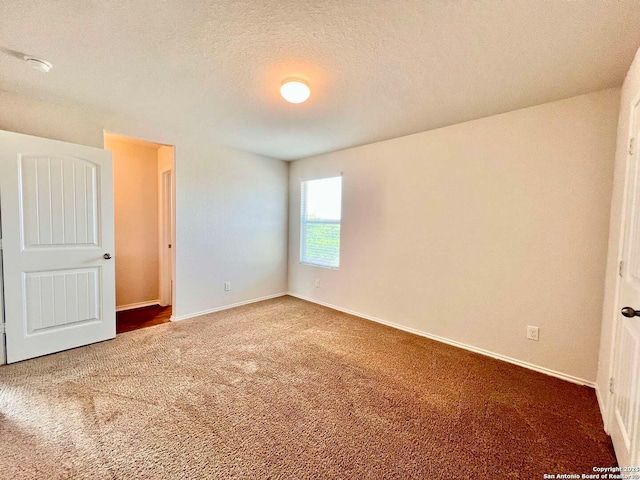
[[166, 237], [626, 389], [58, 237]]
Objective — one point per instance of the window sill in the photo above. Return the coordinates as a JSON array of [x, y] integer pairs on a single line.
[[319, 266]]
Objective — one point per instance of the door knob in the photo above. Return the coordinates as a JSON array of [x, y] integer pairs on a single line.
[[107, 256], [630, 312]]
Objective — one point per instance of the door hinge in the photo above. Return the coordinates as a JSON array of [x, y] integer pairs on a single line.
[[2, 329], [631, 146], [621, 267], [0, 244], [611, 385]]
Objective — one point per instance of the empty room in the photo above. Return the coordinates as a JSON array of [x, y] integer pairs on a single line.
[[319, 239]]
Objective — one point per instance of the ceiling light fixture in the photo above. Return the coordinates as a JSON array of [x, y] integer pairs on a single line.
[[295, 90], [38, 64]]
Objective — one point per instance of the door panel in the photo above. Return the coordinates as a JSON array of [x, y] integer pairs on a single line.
[[627, 388], [626, 392], [59, 201], [57, 220], [60, 298]]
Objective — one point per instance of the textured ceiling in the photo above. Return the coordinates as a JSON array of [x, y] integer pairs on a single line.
[[377, 69]]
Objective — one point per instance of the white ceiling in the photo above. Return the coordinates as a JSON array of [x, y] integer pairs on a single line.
[[377, 69]]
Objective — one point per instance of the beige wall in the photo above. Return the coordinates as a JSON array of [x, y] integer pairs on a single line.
[[135, 185], [474, 231], [630, 93], [231, 205]]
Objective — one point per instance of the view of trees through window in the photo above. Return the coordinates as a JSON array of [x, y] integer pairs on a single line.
[[320, 222]]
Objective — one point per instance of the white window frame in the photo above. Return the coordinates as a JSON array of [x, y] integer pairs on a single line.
[[304, 221]]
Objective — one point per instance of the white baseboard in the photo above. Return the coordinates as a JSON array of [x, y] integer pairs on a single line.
[[530, 366], [131, 306], [225, 307]]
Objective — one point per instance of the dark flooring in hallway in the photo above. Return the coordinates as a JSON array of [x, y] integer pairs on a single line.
[[128, 320]]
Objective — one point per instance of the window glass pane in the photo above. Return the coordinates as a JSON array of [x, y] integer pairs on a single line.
[[324, 198], [322, 244], [320, 222]]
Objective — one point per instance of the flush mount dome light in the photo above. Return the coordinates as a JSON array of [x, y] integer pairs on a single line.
[[295, 90], [38, 64]]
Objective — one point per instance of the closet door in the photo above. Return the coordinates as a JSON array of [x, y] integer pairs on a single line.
[[625, 400], [58, 240]]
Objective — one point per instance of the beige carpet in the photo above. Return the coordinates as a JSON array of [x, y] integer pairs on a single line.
[[288, 389]]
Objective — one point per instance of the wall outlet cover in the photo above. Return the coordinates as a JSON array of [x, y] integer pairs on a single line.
[[532, 333]]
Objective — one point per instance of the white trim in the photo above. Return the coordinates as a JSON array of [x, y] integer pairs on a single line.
[[321, 177], [530, 366], [165, 253], [602, 408], [131, 306], [133, 136], [225, 307]]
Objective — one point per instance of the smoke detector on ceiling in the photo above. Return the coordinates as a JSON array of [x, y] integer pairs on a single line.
[[38, 64]]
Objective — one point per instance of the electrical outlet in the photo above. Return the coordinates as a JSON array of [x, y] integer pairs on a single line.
[[227, 286], [317, 283], [532, 333]]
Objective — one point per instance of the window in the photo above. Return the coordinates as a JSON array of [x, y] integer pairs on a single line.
[[320, 213]]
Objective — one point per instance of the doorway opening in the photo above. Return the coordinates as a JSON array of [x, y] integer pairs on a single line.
[[144, 218]]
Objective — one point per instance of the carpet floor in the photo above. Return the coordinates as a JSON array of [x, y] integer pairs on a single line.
[[288, 389]]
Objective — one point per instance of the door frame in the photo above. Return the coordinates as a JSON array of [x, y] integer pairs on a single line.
[[3, 336], [608, 415], [167, 143], [166, 214]]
